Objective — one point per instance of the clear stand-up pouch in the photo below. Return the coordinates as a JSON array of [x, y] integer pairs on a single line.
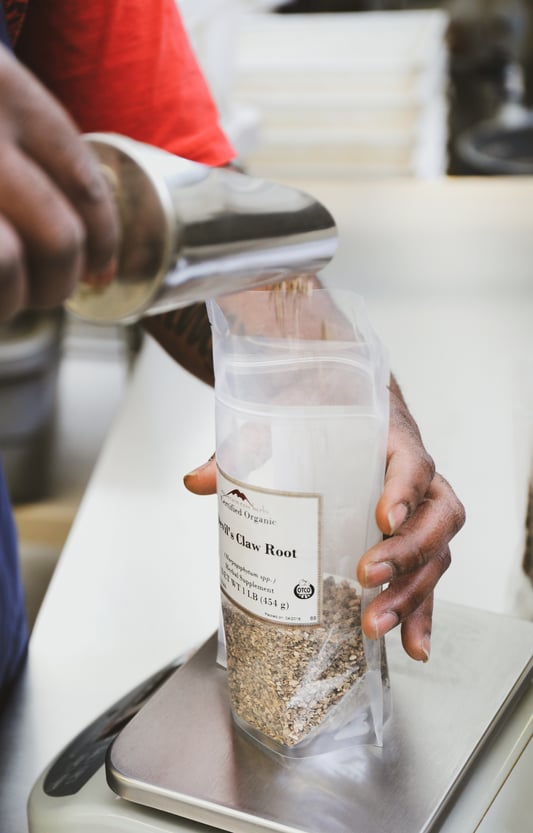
[[301, 430]]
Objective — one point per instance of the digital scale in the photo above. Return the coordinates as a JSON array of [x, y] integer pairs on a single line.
[[167, 756]]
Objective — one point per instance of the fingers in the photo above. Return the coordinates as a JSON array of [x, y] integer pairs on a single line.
[[409, 474], [72, 167], [412, 562], [203, 480], [52, 240], [46, 134], [408, 601], [416, 631], [421, 514], [410, 468], [57, 214], [419, 540]]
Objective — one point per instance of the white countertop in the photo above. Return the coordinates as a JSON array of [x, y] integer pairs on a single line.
[[137, 581]]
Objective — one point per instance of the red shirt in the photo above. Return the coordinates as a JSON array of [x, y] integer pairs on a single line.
[[125, 66]]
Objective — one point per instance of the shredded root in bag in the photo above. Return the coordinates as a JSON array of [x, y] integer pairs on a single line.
[[286, 680]]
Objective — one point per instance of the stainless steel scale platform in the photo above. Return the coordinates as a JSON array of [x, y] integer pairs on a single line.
[[181, 756]]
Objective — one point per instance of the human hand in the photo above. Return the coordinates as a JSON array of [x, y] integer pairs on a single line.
[[421, 514], [57, 218]]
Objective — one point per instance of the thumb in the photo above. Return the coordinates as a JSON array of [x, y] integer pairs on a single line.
[[203, 480]]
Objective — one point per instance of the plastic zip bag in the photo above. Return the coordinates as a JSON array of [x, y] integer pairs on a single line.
[[301, 384]]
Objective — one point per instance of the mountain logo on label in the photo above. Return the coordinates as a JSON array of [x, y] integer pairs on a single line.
[[237, 493]]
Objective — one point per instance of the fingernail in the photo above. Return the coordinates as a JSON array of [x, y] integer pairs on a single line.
[[200, 468], [426, 647], [397, 516], [385, 623], [376, 574]]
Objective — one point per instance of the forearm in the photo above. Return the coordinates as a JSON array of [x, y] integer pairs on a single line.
[[185, 334]]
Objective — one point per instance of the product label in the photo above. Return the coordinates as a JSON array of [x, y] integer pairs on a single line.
[[270, 552]]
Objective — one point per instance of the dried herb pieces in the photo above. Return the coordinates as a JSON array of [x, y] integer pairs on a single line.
[[285, 680]]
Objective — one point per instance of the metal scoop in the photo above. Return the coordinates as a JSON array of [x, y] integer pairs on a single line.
[[191, 232]]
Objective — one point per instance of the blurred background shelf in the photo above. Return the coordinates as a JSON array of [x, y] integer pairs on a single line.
[[345, 94]]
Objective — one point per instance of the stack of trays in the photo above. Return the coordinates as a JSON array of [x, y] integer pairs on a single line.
[[351, 93]]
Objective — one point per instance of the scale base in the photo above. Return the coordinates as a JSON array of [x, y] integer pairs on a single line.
[[182, 753]]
